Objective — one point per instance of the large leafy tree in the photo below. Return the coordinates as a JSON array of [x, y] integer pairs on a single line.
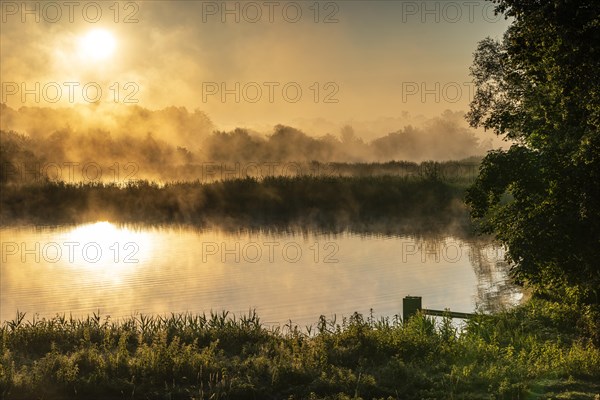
[[539, 87]]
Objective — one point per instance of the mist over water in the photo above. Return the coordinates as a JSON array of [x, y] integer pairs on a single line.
[[381, 198], [370, 197], [174, 143]]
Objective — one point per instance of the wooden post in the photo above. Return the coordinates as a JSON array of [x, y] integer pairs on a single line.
[[410, 306]]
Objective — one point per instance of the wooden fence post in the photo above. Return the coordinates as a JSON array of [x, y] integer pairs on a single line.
[[410, 306]]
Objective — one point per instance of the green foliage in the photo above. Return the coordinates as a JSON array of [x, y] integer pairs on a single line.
[[540, 87], [535, 349]]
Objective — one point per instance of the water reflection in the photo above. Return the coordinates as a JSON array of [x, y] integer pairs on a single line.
[[295, 275]]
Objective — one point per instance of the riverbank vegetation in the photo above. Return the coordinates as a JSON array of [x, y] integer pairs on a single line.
[[334, 203], [542, 349]]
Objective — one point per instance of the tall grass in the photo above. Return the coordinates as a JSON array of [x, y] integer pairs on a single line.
[[538, 350], [327, 202]]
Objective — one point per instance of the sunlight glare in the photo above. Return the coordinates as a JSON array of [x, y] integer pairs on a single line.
[[97, 44], [108, 249]]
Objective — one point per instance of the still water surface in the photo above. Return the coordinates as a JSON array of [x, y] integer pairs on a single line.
[[124, 270]]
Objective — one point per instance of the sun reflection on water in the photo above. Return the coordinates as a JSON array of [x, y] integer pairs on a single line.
[[157, 269], [108, 250]]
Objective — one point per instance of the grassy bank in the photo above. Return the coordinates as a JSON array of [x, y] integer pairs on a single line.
[[326, 202], [538, 350]]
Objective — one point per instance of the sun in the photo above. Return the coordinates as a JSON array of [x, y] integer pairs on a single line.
[[96, 45]]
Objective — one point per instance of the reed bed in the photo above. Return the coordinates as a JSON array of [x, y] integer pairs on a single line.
[[326, 202]]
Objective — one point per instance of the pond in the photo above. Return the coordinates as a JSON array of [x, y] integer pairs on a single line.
[[123, 270]]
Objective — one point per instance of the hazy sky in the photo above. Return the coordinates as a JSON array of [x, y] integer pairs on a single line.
[[341, 61]]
